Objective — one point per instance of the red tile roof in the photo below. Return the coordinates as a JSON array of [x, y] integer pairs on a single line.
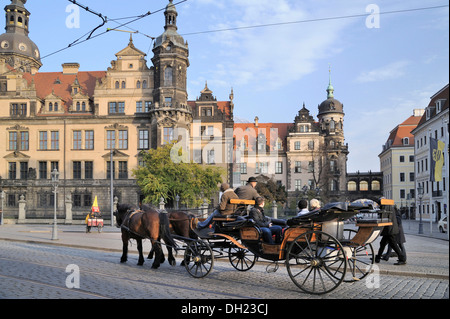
[[61, 84], [250, 131]]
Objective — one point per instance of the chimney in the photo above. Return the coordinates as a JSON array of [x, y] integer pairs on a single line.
[[70, 68], [256, 121]]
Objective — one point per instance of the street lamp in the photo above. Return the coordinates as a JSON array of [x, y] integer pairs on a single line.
[[2, 198], [420, 193], [55, 182]]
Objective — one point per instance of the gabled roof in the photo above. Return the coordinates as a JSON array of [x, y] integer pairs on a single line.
[[251, 131], [442, 94], [60, 84]]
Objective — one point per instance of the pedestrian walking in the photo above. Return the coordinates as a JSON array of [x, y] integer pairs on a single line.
[[401, 240], [389, 236]]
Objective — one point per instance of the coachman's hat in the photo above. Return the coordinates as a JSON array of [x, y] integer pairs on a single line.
[[251, 179]]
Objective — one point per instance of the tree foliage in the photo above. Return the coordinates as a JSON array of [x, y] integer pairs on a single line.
[[160, 176], [270, 190]]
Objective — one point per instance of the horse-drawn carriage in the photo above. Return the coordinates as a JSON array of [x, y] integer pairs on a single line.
[[319, 254]]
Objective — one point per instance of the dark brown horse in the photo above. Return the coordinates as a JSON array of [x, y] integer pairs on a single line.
[[181, 223], [147, 223]]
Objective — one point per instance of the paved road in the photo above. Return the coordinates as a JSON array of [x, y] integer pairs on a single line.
[[33, 266]]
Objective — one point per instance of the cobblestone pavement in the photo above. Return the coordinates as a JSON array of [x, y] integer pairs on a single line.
[[29, 270]]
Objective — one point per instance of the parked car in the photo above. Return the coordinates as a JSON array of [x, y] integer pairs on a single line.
[[442, 225]]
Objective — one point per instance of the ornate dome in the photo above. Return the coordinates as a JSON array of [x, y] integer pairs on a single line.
[[15, 45], [330, 105]]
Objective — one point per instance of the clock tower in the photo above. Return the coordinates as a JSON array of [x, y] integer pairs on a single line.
[[16, 48], [170, 62]]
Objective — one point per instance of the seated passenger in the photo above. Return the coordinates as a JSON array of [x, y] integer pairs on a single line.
[[264, 223], [302, 207], [224, 208], [314, 205]]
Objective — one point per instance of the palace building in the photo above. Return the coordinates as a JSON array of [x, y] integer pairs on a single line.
[[76, 121]]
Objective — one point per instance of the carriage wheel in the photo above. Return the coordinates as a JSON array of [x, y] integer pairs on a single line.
[[241, 259], [360, 258], [316, 262], [198, 258]]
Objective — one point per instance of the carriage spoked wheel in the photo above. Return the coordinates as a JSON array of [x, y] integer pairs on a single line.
[[241, 259], [316, 262], [198, 258], [360, 259]]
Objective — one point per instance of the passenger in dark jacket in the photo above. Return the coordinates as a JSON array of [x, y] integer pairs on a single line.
[[400, 237], [248, 191], [264, 223]]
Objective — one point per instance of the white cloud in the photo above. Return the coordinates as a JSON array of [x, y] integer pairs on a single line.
[[275, 55], [391, 71]]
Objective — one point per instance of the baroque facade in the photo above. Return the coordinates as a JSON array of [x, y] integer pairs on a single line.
[[75, 121]]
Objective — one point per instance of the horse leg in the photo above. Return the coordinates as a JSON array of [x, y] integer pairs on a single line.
[[125, 239], [158, 253], [170, 257], [141, 256], [150, 254]]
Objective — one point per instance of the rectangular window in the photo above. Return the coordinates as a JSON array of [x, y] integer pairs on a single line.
[[168, 135], [143, 140], [88, 170], [77, 140], [138, 106], [123, 170], [311, 145], [42, 170], [298, 184], [279, 168], [89, 140], [148, 105], [24, 141], [402, 177], [55, 140], [123, 139], [23, 170], [243, 168], [297, 145], [12, 170], [108, 169], [43, 140], [76, 170], [121, 108], [298, 167], [112, 107], [12, 141], [110, 140]]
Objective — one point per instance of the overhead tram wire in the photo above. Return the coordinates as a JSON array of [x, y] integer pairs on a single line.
[[90, 37], [313, 20]]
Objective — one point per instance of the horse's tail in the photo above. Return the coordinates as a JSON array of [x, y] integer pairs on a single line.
[[165, 231]]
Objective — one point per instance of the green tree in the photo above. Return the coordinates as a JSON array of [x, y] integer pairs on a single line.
[[270, 190], [160, 176]]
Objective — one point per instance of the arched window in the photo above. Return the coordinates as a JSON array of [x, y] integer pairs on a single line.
[[376, 186], [83, 106], [56, 106], [123, 85], [138, 84], [168, 76], [78, 107], [351, 186], [50, 106], [117, 85], [363, 186], [144, 84]]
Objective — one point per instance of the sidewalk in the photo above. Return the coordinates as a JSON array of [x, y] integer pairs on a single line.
[[427, 256]]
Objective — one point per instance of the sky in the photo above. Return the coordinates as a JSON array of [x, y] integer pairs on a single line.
[[276, 55]]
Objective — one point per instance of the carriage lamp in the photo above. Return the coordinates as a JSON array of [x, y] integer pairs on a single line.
[[420, 193], [55, 182]]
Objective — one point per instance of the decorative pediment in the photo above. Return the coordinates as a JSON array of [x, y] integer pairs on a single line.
[[17, 127], [16, 155], [116, 126], [116, 154], [167, 122]]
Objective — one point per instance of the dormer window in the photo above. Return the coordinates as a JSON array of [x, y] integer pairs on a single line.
[[406, 141]]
